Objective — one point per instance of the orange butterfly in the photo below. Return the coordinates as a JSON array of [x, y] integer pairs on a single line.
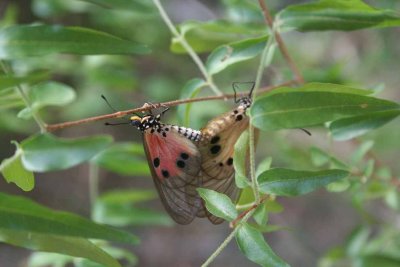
[[217, 150]]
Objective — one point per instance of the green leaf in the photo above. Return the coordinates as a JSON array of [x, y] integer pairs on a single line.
[[7, 81], [40, 259], [379, 260], [226, 55], [345, 15], [320, 158], [24, 215], [263, 166], [218, 204], [349, 128], [117, 208], [361, 151], [190, 90], [285, 182], [141, 6], [303, 107], [48, 94], [240, 160], [127, 196], [121, 215], [45, 152], [261, 215], [14, 172], [38, 40], [120, 254], [123, 158], [77, 247], [251, 242], [205, 36]]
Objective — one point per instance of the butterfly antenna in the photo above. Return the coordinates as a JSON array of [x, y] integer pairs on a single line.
[[114, 124], [108, 103], [234, 84], [306, 131], [253, 84]]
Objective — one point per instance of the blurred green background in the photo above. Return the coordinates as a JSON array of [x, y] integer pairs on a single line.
[[317, 222]]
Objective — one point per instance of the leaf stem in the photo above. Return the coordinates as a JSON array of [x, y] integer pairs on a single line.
[[8, 71], [187, 47]]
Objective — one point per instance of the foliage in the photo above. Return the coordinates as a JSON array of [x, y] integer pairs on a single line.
[[53, 72]]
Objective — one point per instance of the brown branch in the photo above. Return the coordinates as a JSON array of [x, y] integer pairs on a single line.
[[270, 22], [233, 223], [119, 114]]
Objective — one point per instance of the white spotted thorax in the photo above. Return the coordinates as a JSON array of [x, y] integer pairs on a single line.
[[152, 123]]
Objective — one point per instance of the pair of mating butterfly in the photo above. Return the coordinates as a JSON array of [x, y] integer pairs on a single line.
[[182, 159]]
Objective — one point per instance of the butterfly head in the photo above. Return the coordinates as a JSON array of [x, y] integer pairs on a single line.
[[145, 122], [244, 102]]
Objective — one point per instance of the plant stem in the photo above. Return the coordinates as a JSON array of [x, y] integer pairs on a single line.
[[270, 22], [8, 71], [187, 47], [226, 241], [93, 185]]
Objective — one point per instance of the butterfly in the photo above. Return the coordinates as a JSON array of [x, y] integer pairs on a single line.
[[174, 161], [216, 148]]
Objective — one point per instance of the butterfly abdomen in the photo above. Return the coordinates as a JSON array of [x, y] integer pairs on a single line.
[[189, 133]]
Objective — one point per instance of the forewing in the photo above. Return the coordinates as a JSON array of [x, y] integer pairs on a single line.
[[174, 162], [217, 150]]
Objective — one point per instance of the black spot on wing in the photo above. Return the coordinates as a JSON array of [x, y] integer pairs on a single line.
[[229, 161], [184, 155], [239, 117], [156, 162], [181, 164], [215, 149], [165, 173]]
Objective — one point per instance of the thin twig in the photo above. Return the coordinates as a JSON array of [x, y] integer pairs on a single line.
[[187, 47], [226, 241], [270, 22], [233, 223], [53, 127]]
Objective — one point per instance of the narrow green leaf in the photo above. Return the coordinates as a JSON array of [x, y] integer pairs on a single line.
[[251, 242], [349, 128], [7, 81], [45, 152], [240, 160], [121, 215], [206, 36], [48, 94], [14, 172], [226, 55], [117, 208], [38, 40], [263, 166], [141, 6], [190, 90], [24, 215], [218, 204], [345, 15], [127, 196], [361, 151], [285, 182], [287, 108], [40, 259], [261, 215], [324, 87], [378, 260], [123, 158], [77, 247]]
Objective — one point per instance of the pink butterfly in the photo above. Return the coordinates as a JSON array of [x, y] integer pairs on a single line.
[[174, 162]]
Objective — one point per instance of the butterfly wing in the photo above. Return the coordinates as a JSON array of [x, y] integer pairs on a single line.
[[174, 163], [217, 150]]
